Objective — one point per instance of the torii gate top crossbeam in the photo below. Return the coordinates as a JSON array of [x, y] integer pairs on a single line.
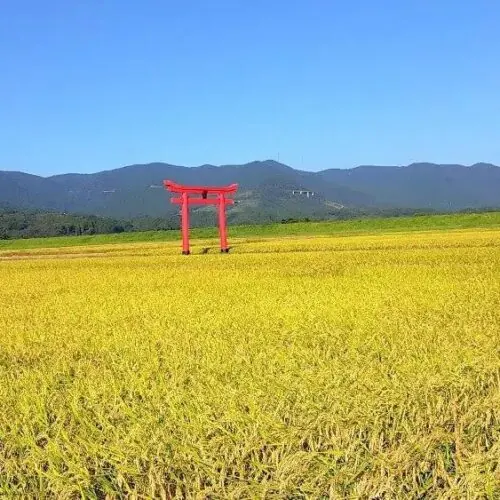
[[177, 188]]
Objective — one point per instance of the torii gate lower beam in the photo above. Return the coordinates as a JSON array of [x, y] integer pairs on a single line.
[[184, 200]]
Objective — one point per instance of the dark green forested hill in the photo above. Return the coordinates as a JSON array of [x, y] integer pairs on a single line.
[[29, 223], [267, 190], [16, 223]]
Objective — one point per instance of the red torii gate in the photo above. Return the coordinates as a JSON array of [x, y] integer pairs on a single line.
[[202, 199]]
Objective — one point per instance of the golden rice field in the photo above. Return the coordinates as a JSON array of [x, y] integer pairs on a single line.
[[365, 366]]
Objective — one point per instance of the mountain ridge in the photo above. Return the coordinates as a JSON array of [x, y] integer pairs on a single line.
[[266, 189], [266, 162]]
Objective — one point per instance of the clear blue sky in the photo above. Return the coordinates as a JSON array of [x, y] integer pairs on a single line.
[[90, 85]]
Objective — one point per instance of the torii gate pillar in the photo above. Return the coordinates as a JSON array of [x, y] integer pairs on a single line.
[[203, 198]]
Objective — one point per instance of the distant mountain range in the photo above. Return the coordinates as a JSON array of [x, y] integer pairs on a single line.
[[267, 189]]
